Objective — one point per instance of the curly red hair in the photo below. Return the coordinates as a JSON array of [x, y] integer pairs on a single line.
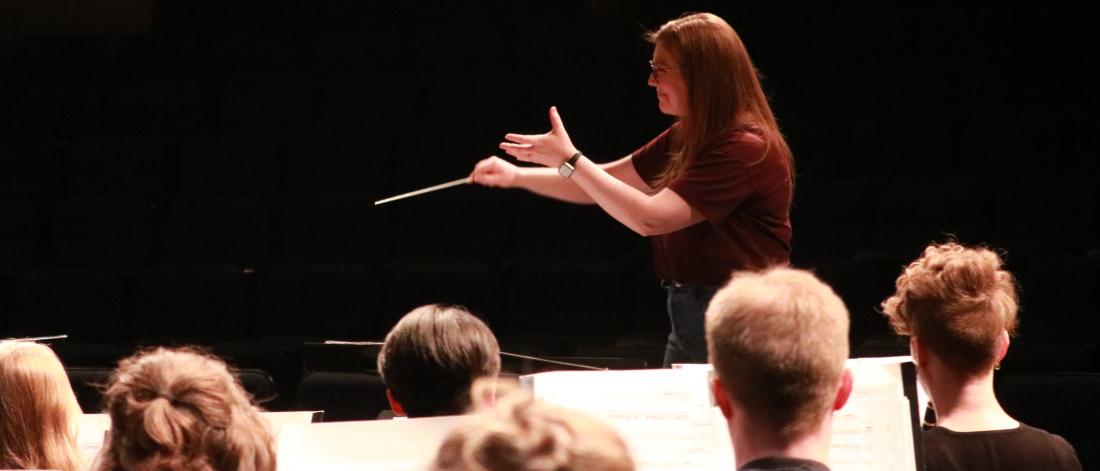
[[956, 300]]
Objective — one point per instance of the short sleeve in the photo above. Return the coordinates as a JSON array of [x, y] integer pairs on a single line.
[[650, 159], [721, 178]]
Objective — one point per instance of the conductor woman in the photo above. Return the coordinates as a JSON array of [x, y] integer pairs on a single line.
[[713, 191]]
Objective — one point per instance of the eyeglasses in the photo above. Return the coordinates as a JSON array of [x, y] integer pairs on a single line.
[[659, 70]]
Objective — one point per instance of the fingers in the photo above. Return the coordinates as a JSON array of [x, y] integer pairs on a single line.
[[556, 126], [520, 138], [484, 172], [485, 163], [520, 151]]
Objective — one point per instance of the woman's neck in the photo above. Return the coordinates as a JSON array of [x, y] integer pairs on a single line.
[[967, 403]]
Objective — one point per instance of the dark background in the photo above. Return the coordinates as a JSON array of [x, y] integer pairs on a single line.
[[203, 171]]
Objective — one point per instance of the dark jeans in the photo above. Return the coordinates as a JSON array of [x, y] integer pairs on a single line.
[[687, 305]]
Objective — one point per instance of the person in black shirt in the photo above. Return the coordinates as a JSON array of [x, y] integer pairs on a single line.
[[958, 307], [1023, 447], [778, 341]]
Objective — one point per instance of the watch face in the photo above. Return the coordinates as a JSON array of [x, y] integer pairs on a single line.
[[565, 170]]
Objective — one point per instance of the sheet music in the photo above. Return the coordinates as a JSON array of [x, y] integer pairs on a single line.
[[93, 432], [392, 445], [873, 431], [666, 417]]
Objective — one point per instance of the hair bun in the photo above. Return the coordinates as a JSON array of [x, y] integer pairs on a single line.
[[164, 424]]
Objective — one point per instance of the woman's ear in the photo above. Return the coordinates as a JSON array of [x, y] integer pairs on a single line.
[[1003, 349]]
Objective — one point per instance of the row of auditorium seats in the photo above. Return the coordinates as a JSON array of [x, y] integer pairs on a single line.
[[1027, 217], [588, 299], [179, 87], [379, 160]]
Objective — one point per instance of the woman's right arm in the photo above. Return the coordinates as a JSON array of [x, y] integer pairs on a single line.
[[497, 172]]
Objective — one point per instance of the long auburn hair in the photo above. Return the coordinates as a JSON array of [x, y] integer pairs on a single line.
[[182, 409], [39, 415], [724, 91]]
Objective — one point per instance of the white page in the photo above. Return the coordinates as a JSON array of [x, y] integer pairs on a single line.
[[392, 445], [655, 411], [666, 417], [278, 420], [93, 431], [873, 431]]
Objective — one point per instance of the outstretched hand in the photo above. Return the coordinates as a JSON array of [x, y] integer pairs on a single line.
[[550, 149]]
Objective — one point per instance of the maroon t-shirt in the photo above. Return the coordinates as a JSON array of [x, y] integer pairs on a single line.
[[742, 186]]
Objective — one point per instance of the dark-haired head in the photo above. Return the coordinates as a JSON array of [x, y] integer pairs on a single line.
[[432, 356]]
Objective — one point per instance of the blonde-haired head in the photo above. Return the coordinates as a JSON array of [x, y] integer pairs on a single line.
[[39, 415], [780, 338]]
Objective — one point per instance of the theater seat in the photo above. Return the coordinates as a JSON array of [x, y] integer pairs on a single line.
[[584, 300], [331, 229], [1057, 298], [103, 231], [240, 164], [117, 167], [343, 396], [911, 213], [1043, 216], [258, 383], [337, 299], [26, 169], [473, 284], [863, 285], [89, 384], [822, 219], [87, 304], [225, 229], [200, 303], [547, 229], [18, 233]]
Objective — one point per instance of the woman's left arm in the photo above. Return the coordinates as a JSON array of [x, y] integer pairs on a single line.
[[645, 214]]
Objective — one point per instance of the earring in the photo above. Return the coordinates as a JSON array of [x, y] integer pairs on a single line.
[[997, 366]]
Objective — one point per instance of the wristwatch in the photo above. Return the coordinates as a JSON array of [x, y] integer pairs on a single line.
[[566, 169]]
